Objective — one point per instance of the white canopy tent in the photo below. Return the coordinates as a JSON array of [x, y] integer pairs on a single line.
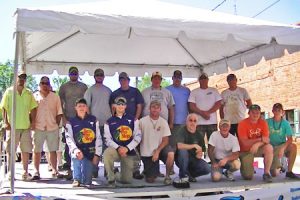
[[138, 36]]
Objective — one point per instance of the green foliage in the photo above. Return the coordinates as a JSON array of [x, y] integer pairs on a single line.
[[146, 82], [58, 81], [7, 76]]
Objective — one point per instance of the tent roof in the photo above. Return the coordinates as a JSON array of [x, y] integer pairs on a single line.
[[138, 36]]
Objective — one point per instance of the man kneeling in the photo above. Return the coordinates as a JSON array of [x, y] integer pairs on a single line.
[[190, 149], [223, 151]]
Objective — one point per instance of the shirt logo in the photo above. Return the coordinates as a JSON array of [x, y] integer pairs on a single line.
[[123, 133]]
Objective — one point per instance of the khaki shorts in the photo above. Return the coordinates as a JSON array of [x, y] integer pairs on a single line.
[[51, 138], [276, 161], [22, 137], [61, 145], [247, 159]]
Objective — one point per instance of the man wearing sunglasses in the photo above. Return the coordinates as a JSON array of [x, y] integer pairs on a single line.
[[48, 118], [25, 119], [190, 150], [69, 93], [122, 135]]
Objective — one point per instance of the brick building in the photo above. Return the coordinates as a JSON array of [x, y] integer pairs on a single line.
[[268, 82]]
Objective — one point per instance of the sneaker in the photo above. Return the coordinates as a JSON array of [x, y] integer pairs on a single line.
[[192, 179], [267, 178], [26, 177], [57, 175], [172, 172], [229, 175], [60, 168], [111, 184], [36, 176], [69, 175], [168, 181], [184, 179], [75, 183], [291, 175], [137, 175]]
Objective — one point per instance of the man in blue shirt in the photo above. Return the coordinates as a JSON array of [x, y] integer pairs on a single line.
[[281, 138], [180, 94]]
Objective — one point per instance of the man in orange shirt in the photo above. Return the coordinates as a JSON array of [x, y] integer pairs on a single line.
[[253, 135]]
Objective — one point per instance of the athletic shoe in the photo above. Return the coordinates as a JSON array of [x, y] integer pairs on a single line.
[[267, 178], [229, 175], [291, 175]]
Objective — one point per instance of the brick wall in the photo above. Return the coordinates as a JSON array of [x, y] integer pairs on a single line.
[[268, 82]]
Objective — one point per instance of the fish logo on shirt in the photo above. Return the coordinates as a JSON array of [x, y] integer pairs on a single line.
[[123, 133], [87, 135]]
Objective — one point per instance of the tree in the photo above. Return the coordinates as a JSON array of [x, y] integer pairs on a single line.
[[146, 82], [58, 81], [7, 76]]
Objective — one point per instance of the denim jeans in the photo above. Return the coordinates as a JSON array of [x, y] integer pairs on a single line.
[[82, 170], [189, 165]]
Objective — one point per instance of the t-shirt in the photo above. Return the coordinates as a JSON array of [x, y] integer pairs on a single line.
[[132, 96], [205, 99], [223, 146], [69, 93], [181, 95], [186, 137], [234, 104], [97, 98], [152, 133], [162, 95], [49, 108], [248, 130], [279, 131], [24, 104]]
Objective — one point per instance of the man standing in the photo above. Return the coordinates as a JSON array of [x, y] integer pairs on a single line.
[[155, 144], [223, 151], [181, 95], [281, 138], [235, 101], [97, 98], [164, 96], [122, 135], [253, 136], [69, 93], [134, 107], [49, 114], [25, 119], [205, 101], [190, 149]]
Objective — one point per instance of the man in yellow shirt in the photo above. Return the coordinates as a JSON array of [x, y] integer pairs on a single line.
[[25, 119]]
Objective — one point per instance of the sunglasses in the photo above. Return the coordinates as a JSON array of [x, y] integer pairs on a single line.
[[121, 104], [73, 74], [45, 83], [193, 120], [23, 76]]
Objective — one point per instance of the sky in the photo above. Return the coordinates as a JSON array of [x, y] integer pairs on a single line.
[[284, 11]]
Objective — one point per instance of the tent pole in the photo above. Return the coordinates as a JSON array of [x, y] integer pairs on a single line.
[[13, 119]]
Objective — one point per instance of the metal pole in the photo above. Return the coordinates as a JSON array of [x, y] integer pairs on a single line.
[[13, 118]]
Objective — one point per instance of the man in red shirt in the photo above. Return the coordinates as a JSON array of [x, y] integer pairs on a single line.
[[253, 135]]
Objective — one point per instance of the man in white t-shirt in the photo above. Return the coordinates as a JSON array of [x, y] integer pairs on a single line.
[[154, 145], [235, 101], [223, 151], [205, 101]]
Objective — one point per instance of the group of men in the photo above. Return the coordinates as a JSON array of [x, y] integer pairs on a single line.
[[130, 127]]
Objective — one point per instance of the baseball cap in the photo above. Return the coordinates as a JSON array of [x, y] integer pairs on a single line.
[[22, 73], [224, 121], [120, 100], [156, 74], [99, 72], [123, 75], [155, 102], [73, 69], [254, 107], [277, 106], [203, 76], [231, 77], [81, 100], [177, 74]]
